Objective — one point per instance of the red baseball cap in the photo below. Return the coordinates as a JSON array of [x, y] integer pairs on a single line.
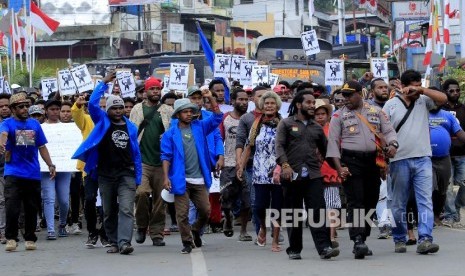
[[279, 89], [151, 82]]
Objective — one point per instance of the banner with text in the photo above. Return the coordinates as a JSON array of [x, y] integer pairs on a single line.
[[310, 42], [334, 72]]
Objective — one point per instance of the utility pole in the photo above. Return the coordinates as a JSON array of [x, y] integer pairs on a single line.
[[139, 36], [340, 19], [284, 15]]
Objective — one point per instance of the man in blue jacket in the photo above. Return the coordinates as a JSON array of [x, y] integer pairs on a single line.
[[114, 138], [187, 167]]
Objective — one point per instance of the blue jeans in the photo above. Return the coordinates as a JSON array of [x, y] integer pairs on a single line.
[[453, 202], [407, 174], [58, 187]]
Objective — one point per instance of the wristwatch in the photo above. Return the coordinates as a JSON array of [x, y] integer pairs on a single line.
[[394, 144]]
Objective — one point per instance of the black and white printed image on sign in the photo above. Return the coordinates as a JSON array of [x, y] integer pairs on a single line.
[[246, 71], [179, 76], [236, 66], [379, 68], [274, 80], [6, 87], [222, 67], [260, 75], [334, 72], [82, 78], [49, 85], [310, 42], [127, 84], [66, 83], [166, 84]]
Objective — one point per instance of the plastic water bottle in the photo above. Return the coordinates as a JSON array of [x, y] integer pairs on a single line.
[[304, 172]]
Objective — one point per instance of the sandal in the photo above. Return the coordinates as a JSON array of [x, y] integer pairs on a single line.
[[260, 241], [113, 249], [245, 237], [276, 248], [411, 242]]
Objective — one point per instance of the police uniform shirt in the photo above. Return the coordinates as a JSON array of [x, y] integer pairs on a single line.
[[347, 131]]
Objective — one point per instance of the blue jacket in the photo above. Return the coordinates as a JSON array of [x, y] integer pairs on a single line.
[[88, 150], [214, 140], [172, 150]]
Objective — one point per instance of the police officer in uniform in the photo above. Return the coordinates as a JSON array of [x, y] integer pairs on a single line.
[[352, 151]]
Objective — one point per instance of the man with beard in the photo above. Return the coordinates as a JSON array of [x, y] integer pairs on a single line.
[[457, 152], [411, 168], [355, 133], [379, 88], [233, 189], [380, 92], [297, 140], [152, 119]]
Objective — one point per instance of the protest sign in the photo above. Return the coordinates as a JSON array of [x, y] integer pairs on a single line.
[[260, 75], [63, 140], [126, 83], [334, 72], [179, 76], [222, 66], [379, 68], [246, 71], [82, 78], [310, 42], [66, 83], [49, 85]]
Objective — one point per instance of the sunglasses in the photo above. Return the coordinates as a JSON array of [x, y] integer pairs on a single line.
[[21, 106], [339, 100], [347, 95], [454, 90]]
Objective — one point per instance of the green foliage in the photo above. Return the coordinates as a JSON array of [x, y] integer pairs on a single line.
[[42, 70]]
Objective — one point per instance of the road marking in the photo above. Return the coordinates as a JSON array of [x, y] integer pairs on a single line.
[[199, 266]]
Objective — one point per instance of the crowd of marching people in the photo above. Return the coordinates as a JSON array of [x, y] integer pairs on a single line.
[[395, 147]]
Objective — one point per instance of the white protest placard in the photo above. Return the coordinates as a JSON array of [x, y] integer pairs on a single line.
[[273, 80], [310, 42], [82, 78], [222, 68], [334, 72], [246, 71], [166, 84], [260, 75], [207, 82], [63, 140], [379, 68], [236, 66], [127, 84], [49, 85], [6, 87], [179, 76], [284, 111], [66, 83], [2, 81]]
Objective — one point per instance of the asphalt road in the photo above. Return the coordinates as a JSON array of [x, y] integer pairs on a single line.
[[226, 256]]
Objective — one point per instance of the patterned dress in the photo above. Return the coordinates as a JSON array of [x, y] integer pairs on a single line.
[[264, 160]]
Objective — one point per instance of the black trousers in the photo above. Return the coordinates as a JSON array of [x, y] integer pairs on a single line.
[[75, 196], [21, 191], [90, 211], [361, 189], [310, 191]]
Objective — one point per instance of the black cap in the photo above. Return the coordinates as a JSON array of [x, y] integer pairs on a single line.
[[52, 102], [351, 87]]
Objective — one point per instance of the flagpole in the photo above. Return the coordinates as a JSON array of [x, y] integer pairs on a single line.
[[28, 45], [8, 67], [13, 50]]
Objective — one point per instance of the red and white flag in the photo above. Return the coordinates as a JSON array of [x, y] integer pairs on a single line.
[[42, 21], [369, 5], [446, 33]]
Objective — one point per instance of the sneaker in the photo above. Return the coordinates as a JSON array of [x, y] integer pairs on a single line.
[[400, 247], [126, 249], [51, 236], [174, 228], [426, 247], [187, 249], [74, 229], [62, 231], [91, 241], [448, 222], [105, 242], [360, 250], [11, 245], [329, 253], [140, 235], [196, 238], [294, 255], [30, 245], [384, 232], [158, 242]]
